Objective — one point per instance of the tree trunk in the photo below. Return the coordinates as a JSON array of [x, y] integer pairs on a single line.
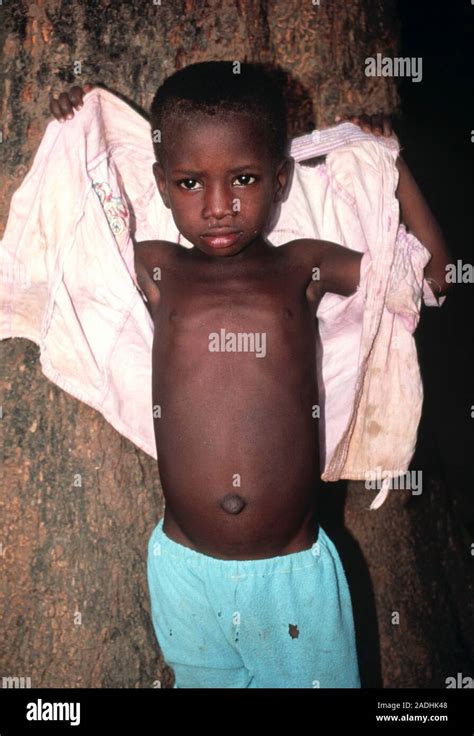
[[80, 501]]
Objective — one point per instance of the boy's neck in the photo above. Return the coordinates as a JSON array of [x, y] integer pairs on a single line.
[[256, 248]]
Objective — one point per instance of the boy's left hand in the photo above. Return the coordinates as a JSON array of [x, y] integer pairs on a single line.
[[377, 124]]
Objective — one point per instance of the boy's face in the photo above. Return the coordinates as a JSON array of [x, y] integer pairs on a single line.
[[218, 174]]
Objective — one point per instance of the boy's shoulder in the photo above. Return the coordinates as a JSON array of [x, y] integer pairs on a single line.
[[308, 243], [304, 248], [156, 244], [152, 249]]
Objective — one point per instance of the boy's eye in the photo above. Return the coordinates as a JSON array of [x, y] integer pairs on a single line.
[[183, 183], [187, 181], [246, 176]]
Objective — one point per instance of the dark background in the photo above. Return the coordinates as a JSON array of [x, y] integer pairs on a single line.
[[435, 133]]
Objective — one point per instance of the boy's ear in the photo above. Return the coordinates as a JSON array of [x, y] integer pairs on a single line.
[[160, 179], [284, 175]]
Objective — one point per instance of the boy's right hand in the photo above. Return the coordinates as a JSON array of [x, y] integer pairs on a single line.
[[63, 107]]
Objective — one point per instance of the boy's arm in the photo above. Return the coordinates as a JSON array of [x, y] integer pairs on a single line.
[[142, 252], [334, 268], [415, 212], [419, 219]]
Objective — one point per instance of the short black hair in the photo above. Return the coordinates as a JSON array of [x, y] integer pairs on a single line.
[[219, 88]]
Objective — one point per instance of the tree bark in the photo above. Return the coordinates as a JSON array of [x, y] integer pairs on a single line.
[[79, 501]]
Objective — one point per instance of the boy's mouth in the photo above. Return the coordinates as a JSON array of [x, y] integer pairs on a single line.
[[221, 237]]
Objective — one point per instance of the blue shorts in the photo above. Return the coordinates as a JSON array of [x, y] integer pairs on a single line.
[[276, 622]]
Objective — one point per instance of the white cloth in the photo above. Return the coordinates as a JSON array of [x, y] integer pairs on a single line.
[[69, 282]]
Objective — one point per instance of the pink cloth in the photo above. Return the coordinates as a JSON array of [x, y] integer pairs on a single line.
[[69, 282]]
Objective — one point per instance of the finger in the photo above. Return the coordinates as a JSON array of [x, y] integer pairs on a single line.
[[365, 123], [75, 96], [377, 124], [79, 94], [387, 125], [56, 110], [65, 106], [354, 119]]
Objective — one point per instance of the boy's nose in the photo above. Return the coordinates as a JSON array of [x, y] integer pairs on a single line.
[[219, 202]]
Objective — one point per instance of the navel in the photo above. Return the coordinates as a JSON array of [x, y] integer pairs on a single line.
[[232, 503]]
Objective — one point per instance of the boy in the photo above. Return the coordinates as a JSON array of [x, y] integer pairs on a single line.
[[247, 590]]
